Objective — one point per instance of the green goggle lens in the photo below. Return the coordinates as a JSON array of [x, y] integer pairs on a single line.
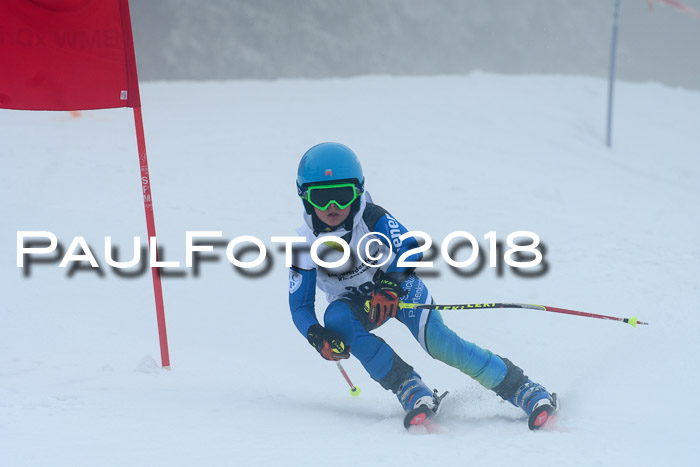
[[322, 196]]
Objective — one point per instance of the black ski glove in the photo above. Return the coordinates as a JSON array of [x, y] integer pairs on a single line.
[[384, 301], [328, 343]]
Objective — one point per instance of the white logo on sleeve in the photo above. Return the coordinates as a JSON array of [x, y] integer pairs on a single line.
[[294, 281], [394, 231]]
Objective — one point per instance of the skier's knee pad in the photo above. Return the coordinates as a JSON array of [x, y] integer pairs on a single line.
[[515, 377]]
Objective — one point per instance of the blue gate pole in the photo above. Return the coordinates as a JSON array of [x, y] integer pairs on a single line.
[[611, 78]]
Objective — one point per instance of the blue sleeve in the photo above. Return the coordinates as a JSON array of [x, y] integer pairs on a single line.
[[302, 295], [393, 229]]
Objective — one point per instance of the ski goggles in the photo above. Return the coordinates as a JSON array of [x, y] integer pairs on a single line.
[[322, 196]]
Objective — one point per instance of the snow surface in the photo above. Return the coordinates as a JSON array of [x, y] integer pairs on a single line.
[[79, 378]]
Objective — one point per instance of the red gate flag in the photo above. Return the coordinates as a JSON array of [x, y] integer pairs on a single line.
[[76, 55], [67, 55]]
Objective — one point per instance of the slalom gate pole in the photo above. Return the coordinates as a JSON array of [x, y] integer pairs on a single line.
[[631, 321], [133, 100], [354, 390], [151, 229], [611, 73]]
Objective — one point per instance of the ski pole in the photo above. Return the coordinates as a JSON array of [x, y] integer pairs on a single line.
[[632, 321], [354, 390]]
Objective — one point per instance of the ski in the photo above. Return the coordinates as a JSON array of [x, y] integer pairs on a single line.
[[542, 414], [423, 416]]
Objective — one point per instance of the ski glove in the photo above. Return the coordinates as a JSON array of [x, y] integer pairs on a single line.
[[384, 301], [328, 343]]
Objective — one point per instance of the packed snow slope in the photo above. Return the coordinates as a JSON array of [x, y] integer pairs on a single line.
[[79, 378]]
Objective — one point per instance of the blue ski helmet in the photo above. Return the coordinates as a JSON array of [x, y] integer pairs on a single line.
[[329, 162]]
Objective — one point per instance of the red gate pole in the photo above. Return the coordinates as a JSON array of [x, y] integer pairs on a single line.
[[133, 97], [151, 227]]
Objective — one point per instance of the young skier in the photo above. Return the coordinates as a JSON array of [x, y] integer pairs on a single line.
[[362, 295]]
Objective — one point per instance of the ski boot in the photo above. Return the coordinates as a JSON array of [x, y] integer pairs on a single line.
[[418, 401], [536, 402]]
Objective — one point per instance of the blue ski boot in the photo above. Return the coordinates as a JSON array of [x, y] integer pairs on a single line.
[[413, 392], [536, 402]]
